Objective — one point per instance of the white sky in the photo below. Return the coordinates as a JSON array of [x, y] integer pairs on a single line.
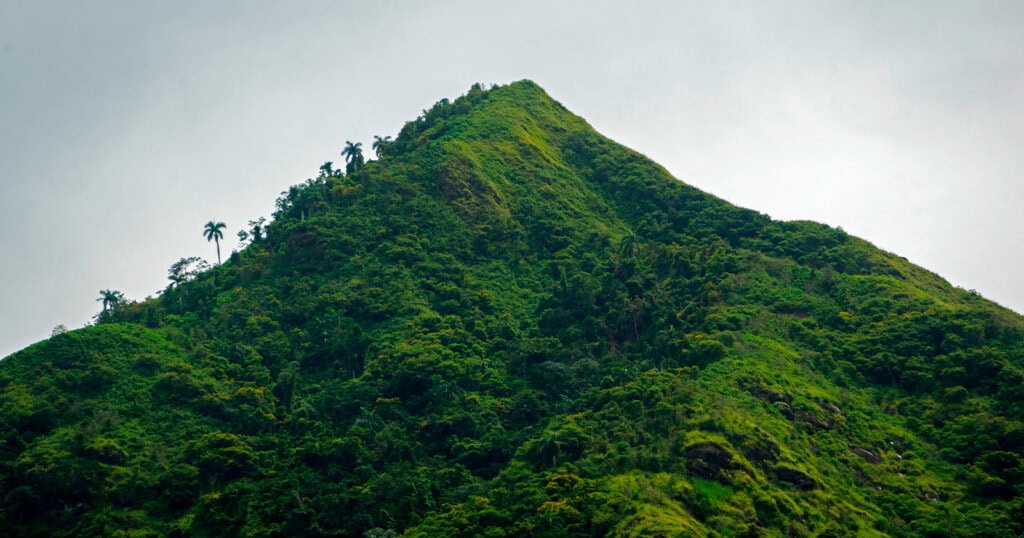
[[125, 126]]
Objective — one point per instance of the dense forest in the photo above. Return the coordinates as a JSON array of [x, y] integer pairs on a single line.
[[508, 325]]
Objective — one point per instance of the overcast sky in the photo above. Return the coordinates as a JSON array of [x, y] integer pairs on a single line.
[[125, 126]]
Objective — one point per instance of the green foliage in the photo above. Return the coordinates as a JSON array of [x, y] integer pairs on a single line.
[[353, 154], [214, 231], [509, 325]]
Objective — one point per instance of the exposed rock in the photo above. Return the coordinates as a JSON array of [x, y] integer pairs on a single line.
[[815, 420], [785, 409], [867, 455], [767, 394], [710, 460], [813, 423], [763, 452], [760, 448], [795, 476]]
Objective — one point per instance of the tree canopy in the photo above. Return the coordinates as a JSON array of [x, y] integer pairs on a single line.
[[513, 326]]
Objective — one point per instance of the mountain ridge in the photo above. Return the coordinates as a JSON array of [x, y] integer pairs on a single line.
[[510, 325]]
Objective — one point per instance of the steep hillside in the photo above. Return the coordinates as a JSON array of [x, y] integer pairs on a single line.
[[509, 325]]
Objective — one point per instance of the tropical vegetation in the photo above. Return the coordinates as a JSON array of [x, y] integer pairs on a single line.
[[510, 325], [214, 231]]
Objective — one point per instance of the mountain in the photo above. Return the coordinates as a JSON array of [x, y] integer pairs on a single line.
[[509, 325]]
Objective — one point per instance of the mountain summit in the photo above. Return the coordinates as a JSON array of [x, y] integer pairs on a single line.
[[509, 325]]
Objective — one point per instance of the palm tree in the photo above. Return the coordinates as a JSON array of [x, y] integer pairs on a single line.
[[550, 445], [628, 244], [353, 154], [213, 233], [380, 145], [110, 298]]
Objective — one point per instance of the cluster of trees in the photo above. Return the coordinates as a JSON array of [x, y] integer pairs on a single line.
[[214, 230], [512, 326]]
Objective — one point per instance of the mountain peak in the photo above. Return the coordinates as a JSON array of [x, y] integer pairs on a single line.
[[511, 111], [510, 325]]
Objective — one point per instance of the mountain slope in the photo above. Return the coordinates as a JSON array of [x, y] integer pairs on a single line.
[[510, 325]]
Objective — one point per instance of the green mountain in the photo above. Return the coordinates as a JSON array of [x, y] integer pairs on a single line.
[[509, 325]]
